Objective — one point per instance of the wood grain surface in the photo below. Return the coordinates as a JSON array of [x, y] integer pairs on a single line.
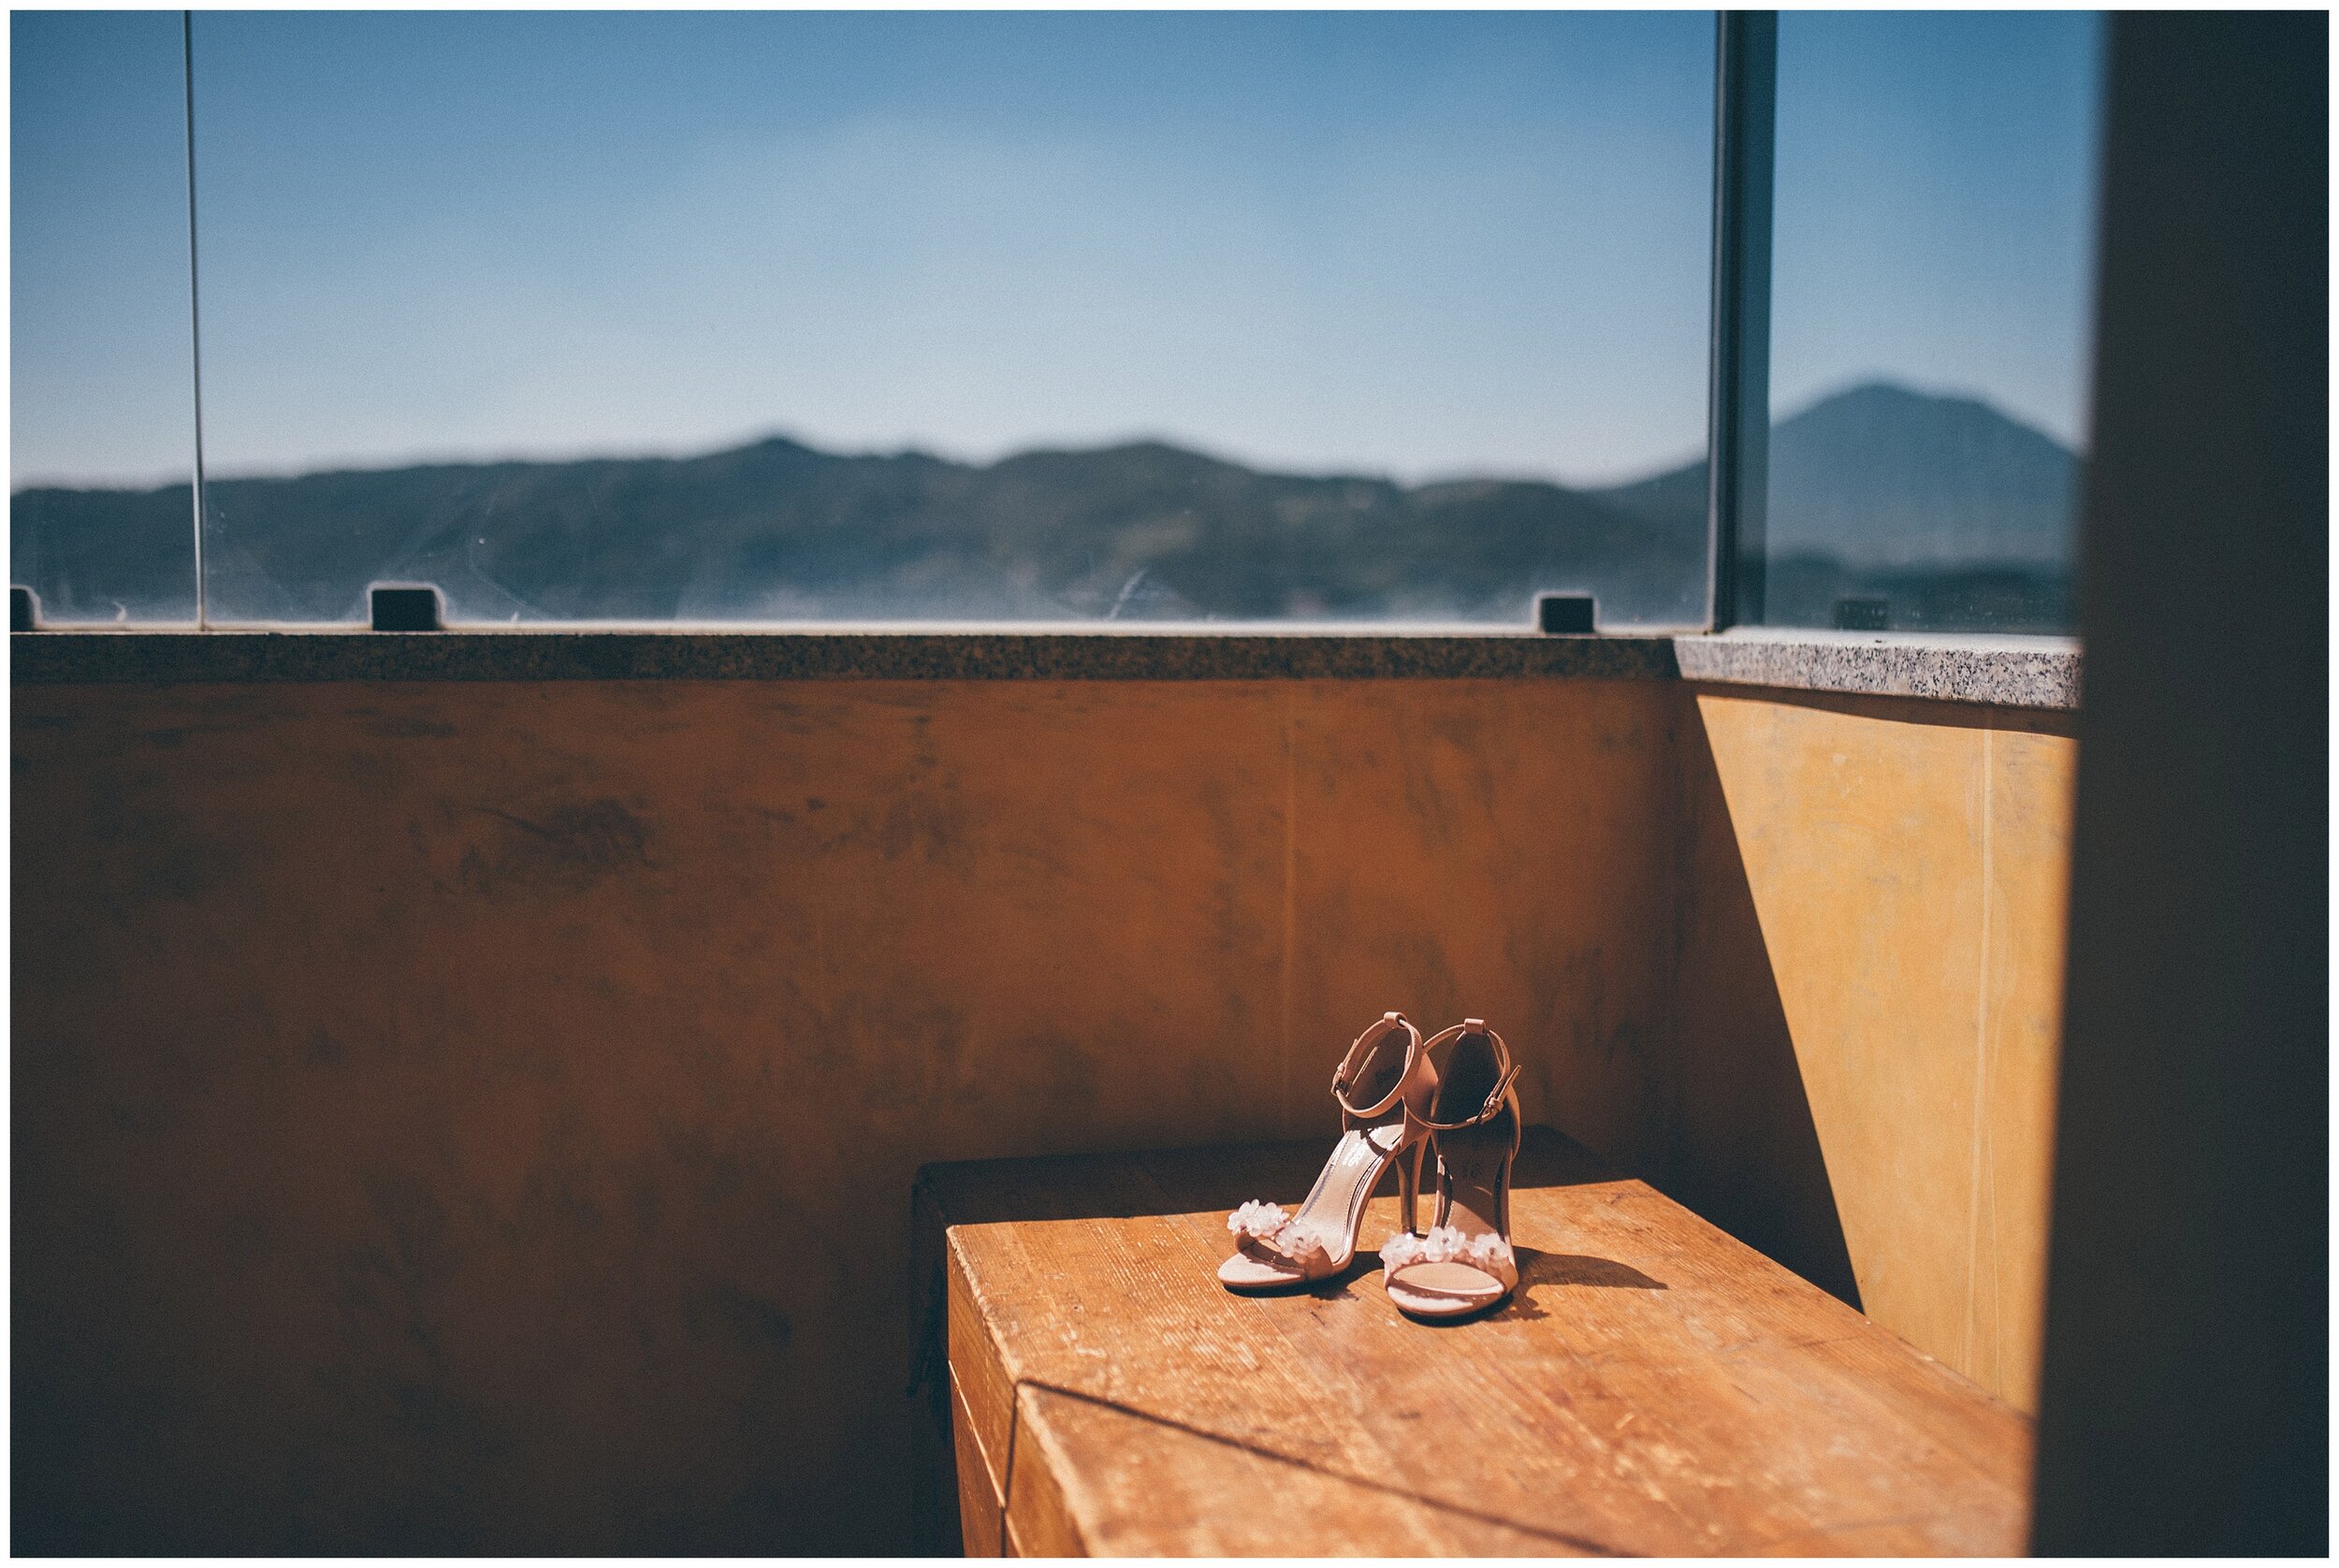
[[1656, 1388]]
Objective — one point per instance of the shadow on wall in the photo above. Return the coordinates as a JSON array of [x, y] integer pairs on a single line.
[[1740, 1146]]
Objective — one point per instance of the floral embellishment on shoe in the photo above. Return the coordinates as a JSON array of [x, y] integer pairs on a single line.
[[1261, 1220], [1487, 1252], [1266, 1229], [1305, 1245]]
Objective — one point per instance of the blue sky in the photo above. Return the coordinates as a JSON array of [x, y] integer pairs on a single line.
[[99, 369], [1933, 215], [1421, 244]]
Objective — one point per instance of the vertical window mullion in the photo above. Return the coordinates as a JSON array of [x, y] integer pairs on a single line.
[[1746, 70]]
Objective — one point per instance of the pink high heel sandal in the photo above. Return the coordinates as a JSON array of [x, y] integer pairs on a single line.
[[1465, 1264], [1384, 1087]]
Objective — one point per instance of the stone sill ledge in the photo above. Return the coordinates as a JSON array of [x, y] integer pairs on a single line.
[[2009, 672], [1966, 667]]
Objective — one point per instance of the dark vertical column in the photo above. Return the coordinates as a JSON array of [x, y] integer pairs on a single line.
[[1737, 470], [2184, 1403]]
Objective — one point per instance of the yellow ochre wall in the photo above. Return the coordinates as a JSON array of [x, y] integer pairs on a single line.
[[1906, 865], [480, 1117]]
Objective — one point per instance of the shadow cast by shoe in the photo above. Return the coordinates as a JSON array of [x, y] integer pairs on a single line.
[[1330, 1287], [1565, 1269], [1540, 1273]]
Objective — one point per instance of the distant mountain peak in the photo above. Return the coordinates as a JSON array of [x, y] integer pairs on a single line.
[[1880, 475], [1150, 452], [1887, 402], [1888, 394]]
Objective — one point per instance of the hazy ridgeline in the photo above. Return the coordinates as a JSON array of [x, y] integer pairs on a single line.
[[1949, 512]]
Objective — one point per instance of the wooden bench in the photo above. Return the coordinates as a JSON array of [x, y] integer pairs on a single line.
[[1657, 1387]]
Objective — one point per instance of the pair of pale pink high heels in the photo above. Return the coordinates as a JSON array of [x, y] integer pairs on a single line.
[[1402, 1096]]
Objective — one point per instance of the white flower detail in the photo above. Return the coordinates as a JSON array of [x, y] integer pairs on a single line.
[[1261, 1220], [1303, 1243], [1268, 1227], [1446, 1243]]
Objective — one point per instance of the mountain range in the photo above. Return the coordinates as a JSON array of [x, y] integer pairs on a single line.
[[1874, 485]]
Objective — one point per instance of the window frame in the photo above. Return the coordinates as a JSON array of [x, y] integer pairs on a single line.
[[1745, 66]]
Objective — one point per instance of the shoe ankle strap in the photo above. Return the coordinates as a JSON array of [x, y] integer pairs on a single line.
[[1354, 1060], [1497, 1099]]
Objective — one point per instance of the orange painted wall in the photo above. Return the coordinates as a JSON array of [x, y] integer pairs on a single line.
[[481, 1117]]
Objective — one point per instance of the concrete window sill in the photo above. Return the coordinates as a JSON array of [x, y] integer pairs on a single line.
[[2009, 672]]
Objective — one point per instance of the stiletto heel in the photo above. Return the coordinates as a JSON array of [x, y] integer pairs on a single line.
[[1465, 1264], [1409, 1187], [1388, 1073]]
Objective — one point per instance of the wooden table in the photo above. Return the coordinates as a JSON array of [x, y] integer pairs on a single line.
[[1656, 1388]]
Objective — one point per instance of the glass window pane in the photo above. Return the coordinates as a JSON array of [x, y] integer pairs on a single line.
[[1933, 266], [101, 415], [1044, 317]]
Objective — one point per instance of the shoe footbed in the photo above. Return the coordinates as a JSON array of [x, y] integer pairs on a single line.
[[1357, 1164], [1462, 1289], [1244, 1273], [1436, 1281]]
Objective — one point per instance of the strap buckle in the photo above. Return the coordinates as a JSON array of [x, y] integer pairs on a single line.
[[1496, 1099]]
